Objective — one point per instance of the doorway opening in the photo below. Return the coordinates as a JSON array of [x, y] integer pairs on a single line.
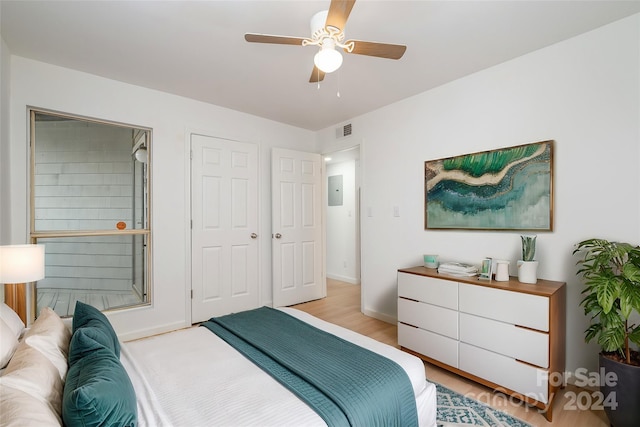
[[343, 215]]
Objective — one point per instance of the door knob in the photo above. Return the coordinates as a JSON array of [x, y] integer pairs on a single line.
[[278, 235], [254, 236]]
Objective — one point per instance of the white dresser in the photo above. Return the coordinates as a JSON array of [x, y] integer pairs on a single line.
[[506, 335]]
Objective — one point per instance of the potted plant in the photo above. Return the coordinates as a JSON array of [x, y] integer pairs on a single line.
[[527, 266], [611, 271]]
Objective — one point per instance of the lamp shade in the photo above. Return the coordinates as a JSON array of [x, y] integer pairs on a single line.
[[21, 263]]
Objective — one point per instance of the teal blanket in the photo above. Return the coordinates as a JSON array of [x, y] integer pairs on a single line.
[[345, 384]]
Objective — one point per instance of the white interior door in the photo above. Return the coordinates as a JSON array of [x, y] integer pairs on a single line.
[[224, 231], [297, 247]]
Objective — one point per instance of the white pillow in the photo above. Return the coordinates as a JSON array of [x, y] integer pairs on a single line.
[[20, 409], [31, 372], [8, 343], [12, 319], [50, 336]]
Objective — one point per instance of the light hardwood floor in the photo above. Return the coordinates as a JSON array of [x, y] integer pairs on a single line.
[[342, 307]]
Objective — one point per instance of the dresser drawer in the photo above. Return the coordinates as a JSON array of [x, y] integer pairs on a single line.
[[432, 345], [505, 338], [509, 373], [427, 289], [531, 311], [430, 317]]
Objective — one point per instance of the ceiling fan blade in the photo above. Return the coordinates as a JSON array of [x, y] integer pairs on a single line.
[[381, 50], [267, 38], [316, 75], [339, 11]]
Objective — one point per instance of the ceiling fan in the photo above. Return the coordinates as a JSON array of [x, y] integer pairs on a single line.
[[327, 32]]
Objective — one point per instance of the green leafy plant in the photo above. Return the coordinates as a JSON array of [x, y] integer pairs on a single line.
[[612, 293], [528, 247]]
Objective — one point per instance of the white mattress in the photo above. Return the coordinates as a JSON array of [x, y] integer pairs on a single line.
[[192, 377]]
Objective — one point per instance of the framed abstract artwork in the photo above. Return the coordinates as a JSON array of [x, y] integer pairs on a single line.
[[504, 189]]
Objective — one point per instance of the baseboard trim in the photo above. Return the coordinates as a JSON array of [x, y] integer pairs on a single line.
[[346, 279], [380, 316], [144, 333]]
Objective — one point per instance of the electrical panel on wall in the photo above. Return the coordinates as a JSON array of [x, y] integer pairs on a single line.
[[335, 190]]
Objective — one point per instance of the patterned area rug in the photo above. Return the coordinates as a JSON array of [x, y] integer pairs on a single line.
[[455, 409]]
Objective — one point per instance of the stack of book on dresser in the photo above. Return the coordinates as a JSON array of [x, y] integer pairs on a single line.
[[458, 269]]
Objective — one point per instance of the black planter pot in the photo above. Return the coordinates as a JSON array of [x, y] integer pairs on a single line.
[[627, 393]]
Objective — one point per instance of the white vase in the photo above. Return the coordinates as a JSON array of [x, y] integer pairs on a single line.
[[502, 271], [527, 271]]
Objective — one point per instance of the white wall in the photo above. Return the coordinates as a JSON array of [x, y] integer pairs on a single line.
[[172, 118], [4, 139], [341, 227], [583, 93]]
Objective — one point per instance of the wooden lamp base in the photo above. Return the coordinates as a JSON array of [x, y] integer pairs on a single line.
[[15, 296]]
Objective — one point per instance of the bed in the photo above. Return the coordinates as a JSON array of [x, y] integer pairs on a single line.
[[187, 377]]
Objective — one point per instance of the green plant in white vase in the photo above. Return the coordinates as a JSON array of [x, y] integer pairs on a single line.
[[528, 247], [528, 266]]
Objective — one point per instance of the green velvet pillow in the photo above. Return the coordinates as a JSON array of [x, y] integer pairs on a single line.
[[85, 316], [86, 340], [98, 392]]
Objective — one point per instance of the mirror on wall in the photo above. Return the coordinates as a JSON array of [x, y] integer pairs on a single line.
[[90, 183]]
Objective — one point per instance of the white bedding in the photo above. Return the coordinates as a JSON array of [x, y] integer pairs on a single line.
[[193, 378]]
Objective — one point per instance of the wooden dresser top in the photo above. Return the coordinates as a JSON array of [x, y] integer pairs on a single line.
[[542, 287]]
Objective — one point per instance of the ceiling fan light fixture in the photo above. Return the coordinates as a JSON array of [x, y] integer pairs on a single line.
[[328, 59], [327, 33]]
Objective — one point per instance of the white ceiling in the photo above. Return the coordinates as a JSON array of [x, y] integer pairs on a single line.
[[196, 48]]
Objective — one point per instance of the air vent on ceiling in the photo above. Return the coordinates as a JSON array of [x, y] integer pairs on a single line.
[[343, 131]]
